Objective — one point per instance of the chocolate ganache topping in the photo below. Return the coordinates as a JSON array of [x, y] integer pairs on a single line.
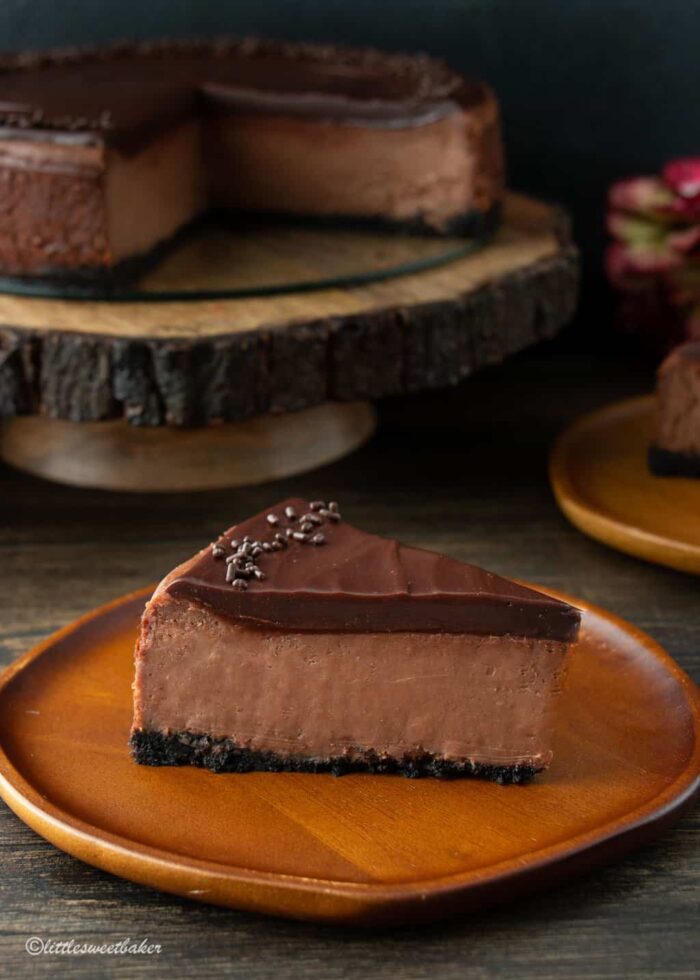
[[300, 566], [125, 92]]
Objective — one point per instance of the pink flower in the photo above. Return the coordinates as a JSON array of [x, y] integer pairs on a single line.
[[685, 239], [654, 257], [683, 178], [646, 247], [619, 268], [641, 195], [626, 264]]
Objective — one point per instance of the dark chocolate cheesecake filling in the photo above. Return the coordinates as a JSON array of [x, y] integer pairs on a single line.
[[675, 450]]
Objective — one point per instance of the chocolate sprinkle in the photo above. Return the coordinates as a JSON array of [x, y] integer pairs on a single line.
[[242, 566]]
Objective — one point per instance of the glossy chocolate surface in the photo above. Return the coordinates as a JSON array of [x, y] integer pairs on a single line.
[[360, 582], [125, 92]]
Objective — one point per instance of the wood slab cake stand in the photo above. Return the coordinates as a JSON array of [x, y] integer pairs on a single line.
[[227, 392]]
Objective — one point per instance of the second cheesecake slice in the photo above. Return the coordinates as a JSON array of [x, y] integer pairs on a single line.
[[297, 642]]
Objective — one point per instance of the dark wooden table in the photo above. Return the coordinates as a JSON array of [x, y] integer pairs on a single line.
[[463, 472]]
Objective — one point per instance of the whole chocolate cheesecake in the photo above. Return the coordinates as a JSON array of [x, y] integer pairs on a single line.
[[106, 154], [297, 642], [675, 450]]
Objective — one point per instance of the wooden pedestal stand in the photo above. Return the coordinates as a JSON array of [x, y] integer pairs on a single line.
[[219, 378], [117, 456]]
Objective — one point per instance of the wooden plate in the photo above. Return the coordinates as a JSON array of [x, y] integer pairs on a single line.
[[359, 849], [598, 471]]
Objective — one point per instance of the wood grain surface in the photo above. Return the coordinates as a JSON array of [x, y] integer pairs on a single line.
[[463, 472], [189, 363]]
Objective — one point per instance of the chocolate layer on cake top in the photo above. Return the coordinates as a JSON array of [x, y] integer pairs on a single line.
[[126, 92], [332, 576]]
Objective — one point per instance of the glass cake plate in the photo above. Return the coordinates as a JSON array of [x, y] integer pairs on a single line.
[[219, 260]]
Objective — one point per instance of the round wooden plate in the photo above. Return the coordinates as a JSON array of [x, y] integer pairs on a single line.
[[358, 849], [599, 475]]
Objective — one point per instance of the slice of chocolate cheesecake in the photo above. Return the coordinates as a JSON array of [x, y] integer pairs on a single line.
[[297, 642], [106, 154], [675, 450]]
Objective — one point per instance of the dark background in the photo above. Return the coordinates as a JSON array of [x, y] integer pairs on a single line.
[[591, 89]]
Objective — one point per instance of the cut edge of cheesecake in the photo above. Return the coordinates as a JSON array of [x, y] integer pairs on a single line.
[[675, 450], [99, 177], [312, 660]]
